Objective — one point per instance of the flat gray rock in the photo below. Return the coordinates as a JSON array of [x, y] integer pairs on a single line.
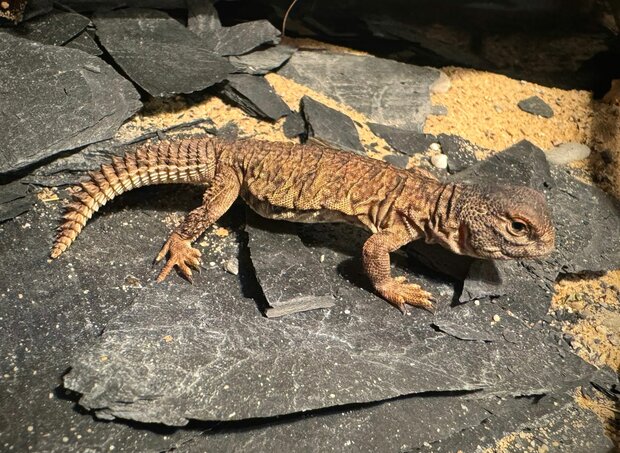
[[398, 160], [556, 422], [255, 96], [330, 127], [396, 425], [387, 92], [158, 53], [47, 310], [85, 42], [262, 61], [203, 20], [14, 200], [56, 28], [294, 125], [56, 99], [290, 275], [536, 106], [406, 142]]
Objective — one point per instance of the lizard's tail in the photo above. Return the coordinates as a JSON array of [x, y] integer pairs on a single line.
[[183, 161]]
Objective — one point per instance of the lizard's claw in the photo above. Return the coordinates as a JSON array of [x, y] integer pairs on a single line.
[[400, 294], [181, 254]]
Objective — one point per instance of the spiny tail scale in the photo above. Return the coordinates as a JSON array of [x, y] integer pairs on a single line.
[[182, 161]]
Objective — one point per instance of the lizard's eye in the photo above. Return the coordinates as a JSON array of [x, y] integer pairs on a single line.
[[518, 227]]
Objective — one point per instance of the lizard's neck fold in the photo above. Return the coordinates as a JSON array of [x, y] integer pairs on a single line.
[[443, 225]]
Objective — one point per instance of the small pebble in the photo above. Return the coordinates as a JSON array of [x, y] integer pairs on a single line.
[[566, 153], [496, 318], [232, 266], [440, 161], [435, 146]]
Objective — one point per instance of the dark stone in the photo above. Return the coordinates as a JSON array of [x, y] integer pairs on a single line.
[[555, 418], [56, 28], [371, 427], [239, 39], [521, 164], [461, 153], [536, 106], [290, 274], [342, 355], [398, 160], [255, 96], [439, 110], [85, 42], [14, 200], [158, 53], [69, 98], [294, 125], [49, 310], [262, 61], [356, 80], [407, 142], [330, 127]]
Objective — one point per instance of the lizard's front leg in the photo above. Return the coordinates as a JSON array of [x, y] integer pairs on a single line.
[[376, 258], [218, 198]]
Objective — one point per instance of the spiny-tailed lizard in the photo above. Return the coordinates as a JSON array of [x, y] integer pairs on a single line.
[[308, 183]]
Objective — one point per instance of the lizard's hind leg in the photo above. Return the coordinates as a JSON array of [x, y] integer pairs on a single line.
[[218, 198]]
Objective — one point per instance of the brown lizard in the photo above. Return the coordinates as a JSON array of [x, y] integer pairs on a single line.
[[308, 183]]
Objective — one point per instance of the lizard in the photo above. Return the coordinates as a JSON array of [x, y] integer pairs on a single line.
[[314, 183]]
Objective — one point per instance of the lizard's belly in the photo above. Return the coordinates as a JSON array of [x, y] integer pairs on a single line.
[[270, 211]]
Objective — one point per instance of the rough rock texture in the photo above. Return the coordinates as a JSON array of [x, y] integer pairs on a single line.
[[56, 28], [254, 95], [330, 127], [536, 106], [407, 142], [203, 20], [299, 285], [387, 92], [85, 42], [158, 53], [49, 310], [294, 125], [14, 200], [461, 153], [378, 427], [262, 61], [69, 98]]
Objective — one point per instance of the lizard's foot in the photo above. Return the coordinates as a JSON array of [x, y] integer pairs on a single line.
[[181, 254], [400, 294]]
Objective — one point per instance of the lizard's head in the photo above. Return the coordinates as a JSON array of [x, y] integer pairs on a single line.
[[504, 222]]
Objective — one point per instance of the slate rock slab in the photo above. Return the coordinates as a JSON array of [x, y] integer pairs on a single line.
[[387, 92], [330, 127], [536, 106], [395, 425], [398, 160], [55, 99], [555, 423], [461, 152], [294, 125], [14, 200], [255, 96], [262, 61], [406, 142], [56, 28], [158, 53], [360, 350], [203, 20], [47, 310], [291, 275], [85, 42]]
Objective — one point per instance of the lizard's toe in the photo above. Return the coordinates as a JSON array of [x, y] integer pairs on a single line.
[[401, 294], [180, 254]]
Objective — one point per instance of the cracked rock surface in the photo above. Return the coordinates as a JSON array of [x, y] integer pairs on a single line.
[[68, 97]]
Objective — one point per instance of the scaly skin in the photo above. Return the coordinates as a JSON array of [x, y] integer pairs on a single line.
[[306, 183]]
